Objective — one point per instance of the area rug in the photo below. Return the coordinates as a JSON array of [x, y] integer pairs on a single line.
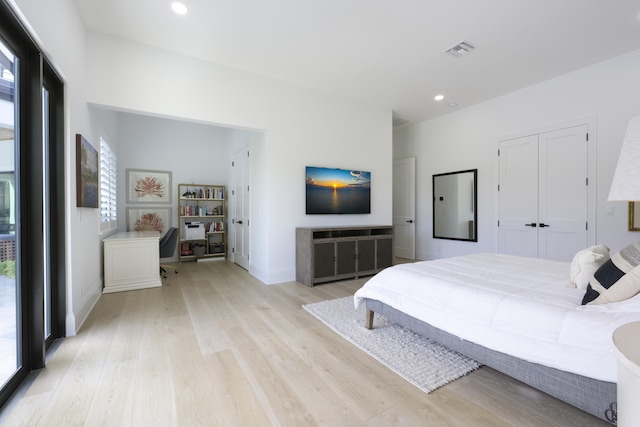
[[421, 361]]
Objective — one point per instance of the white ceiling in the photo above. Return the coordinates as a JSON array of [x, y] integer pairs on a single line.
[[387, 53]]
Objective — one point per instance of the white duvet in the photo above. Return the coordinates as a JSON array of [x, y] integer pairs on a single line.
[[514, 305]]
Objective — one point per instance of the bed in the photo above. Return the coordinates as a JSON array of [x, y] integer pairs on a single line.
[[514, 314]]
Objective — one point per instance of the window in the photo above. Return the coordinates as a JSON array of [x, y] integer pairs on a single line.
[[108, 187]]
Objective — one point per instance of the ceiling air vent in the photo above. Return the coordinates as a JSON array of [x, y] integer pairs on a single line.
[[461, 49]]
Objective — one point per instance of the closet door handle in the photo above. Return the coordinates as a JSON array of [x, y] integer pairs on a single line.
[[542, 225], [533, 224]]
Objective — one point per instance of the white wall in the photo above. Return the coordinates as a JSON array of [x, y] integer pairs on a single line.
[[301, 127], [193, 152], [468, 139]]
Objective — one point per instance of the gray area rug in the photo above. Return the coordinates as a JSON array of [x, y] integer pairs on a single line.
[[424, 363]]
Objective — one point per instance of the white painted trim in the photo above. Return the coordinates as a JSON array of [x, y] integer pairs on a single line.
[[590, 121], [75, 319]]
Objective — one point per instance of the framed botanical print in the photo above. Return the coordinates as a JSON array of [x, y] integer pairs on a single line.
[[148, 187], [149, 219]]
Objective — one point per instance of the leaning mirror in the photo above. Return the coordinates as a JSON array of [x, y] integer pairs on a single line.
[[455, 205]]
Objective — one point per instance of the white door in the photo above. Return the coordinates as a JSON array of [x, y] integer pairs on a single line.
[[240, 205], [562, 212], [543, 194], [404, 207], [518, 197]]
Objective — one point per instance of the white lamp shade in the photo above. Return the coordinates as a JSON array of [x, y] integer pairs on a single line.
[[626, 179]]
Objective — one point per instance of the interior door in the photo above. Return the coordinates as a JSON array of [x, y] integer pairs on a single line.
[[404, 207], [543, 194], [563, 193], [518, 197], [241, 208]]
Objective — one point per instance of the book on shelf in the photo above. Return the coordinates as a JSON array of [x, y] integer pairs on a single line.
[[212, 227]]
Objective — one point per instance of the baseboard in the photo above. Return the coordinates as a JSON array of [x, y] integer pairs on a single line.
[[281, 276], [75, 319]]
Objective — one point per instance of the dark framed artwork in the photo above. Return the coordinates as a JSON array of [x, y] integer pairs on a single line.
[[87, 174]]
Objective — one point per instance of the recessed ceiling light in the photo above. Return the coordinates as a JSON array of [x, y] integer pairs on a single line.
[[453, 104], [438, 97], [179, 8]]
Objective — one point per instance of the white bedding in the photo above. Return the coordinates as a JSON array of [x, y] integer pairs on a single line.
[[514, 305]]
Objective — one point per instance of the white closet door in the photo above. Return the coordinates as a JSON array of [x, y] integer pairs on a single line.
[[563, 193], [404, 207], [241, 208], [543, 194], [518, 197]]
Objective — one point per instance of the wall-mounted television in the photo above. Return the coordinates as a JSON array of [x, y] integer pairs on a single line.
[[337, 191]]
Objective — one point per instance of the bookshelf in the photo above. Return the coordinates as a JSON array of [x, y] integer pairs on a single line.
[[202, 221]]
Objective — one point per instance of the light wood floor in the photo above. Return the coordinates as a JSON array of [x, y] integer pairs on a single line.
[[215, 347]]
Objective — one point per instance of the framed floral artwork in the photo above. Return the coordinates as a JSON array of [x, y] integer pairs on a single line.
[[148, 187], [149, 219]]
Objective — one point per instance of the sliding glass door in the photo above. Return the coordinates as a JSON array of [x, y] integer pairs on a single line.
[[32, 226], [9, 289]]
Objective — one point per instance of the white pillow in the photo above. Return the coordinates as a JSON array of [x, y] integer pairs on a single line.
[[585, 263]]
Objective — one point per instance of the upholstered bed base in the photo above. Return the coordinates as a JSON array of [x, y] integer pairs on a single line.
[[593, 396]]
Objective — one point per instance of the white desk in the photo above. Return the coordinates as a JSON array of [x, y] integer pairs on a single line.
[[627, 344], [131, 261]]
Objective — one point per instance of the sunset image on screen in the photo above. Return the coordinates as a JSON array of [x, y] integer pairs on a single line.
[[337, 191]]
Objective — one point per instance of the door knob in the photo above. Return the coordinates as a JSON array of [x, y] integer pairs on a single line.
[[410, 221], [533, 224]]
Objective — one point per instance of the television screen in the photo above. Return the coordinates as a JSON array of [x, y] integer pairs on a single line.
[[338, 191]]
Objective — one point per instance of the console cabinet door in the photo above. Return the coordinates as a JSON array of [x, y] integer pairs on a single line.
[[346, 257], [324, 260], [384, 253], [366, 255]]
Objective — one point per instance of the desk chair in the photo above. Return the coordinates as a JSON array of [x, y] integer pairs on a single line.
[[167, 248]]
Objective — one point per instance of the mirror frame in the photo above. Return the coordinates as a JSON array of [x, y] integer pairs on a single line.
[[473, 238]]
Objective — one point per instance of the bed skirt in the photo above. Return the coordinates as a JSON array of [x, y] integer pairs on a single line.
[[590, 395]]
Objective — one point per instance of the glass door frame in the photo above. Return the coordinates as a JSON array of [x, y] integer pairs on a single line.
[[56, 248], [33, 73]]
